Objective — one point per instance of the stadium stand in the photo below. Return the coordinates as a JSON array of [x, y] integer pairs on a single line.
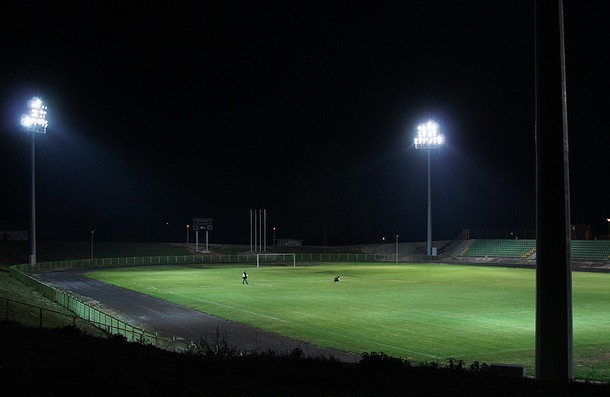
[[590, 250], [582, 250], [499, 248]]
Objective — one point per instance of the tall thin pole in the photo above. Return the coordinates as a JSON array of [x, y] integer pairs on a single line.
[[397, 248], [554, 337], [265, 230], [429, 138], [92, 232], [429, 241], [250, 230], [35, 122], [260, 230], [33, 219]]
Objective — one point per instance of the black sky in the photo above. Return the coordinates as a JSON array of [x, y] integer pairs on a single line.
[[162, 113]]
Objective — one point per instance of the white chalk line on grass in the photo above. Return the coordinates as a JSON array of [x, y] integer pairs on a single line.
[[233, 308], [505, 351], [371, 341], [307, 326], [367, 341]]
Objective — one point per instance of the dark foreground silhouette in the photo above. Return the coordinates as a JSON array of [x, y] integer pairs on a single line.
[[66, 362]]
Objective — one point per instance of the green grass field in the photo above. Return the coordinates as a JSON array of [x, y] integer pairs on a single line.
[[423, 313]]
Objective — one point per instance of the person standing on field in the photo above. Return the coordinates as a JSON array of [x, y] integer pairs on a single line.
[[244, 278]]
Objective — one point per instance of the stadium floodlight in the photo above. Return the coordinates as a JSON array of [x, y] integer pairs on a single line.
[[428, 137], [34, 122]]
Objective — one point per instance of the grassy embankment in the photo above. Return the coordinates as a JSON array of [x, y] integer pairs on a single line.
[[28, 307]]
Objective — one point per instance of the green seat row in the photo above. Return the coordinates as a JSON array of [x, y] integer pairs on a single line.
[[597, 250], [499, 248], [590, 249]]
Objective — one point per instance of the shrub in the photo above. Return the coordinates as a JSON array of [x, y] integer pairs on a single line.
[[216, 346]]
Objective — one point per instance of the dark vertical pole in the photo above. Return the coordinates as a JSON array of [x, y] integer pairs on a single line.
[[553, 263], [33, 214], [429, 233]]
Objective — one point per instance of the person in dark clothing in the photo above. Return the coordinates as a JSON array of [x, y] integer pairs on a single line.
[[337, 278], [244, 278]]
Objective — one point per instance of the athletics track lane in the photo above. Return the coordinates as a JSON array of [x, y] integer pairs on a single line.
[[170, 320]]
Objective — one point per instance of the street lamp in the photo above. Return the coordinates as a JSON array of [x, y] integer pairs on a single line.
[[274, 236], [187, 233], [428, 138], [36, 123], [92, 233], [397, 248], [608, 226]]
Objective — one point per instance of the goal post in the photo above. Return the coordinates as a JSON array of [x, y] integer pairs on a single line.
[[276, 260]]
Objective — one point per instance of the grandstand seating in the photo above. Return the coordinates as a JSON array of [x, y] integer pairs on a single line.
[[499, 248], [582, 250], [591, 250]]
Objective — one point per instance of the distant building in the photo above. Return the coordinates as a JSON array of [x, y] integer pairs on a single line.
[[14, 235], [581, 232], [289, 242]]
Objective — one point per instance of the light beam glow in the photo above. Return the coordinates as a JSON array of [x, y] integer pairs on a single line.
[[428, 136], [35, 121]]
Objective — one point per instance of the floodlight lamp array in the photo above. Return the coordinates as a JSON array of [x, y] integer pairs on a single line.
[[428, 136], [36, 120]]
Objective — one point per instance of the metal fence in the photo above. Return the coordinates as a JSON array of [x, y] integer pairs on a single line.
[[90, 314], [208, 258], [232, 258], [32, 315], [510, 234]]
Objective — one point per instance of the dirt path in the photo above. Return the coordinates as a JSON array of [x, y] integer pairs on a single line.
[[155, 315]]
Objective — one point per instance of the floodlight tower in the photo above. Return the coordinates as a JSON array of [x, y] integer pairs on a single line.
[[428, 137], [36, 123]]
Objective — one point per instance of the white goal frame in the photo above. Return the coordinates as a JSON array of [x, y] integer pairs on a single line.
[[281, 257]]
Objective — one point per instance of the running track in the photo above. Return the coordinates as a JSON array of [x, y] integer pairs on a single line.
[[155, 315]]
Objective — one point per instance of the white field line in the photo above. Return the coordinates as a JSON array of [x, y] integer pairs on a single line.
[[232, 307], [304, 325]]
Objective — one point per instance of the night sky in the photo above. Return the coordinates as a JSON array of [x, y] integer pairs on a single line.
[[162, 113]]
